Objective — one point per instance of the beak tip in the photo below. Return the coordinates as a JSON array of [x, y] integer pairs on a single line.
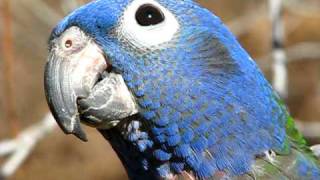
[[81, 136], [71, 128], [79, 133]]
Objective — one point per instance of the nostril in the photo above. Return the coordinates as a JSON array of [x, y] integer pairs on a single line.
[[68, 44]]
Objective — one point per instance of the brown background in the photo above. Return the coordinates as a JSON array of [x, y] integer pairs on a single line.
[[64, 157]]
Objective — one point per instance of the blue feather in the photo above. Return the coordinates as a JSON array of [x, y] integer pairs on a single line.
[[162, 155], [201, 97]]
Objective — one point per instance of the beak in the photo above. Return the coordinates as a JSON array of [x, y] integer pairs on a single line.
[[69, 77]]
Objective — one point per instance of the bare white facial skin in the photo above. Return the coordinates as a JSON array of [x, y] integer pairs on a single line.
[[147, 36], [85, 58], [105, 102]]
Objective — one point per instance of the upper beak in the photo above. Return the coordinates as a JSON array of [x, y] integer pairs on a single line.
[[68, 78]]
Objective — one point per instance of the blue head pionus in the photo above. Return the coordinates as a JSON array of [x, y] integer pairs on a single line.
[[173, 91]]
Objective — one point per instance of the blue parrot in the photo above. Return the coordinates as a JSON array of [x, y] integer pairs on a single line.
[[174, 93]]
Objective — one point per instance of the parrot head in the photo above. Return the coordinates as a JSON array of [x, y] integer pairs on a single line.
[[171, 65], [119, 47], [91, 49]]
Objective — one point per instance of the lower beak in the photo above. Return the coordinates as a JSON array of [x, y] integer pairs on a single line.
[[68, 78]]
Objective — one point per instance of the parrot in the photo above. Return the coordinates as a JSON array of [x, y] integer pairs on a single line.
[[171, 89]]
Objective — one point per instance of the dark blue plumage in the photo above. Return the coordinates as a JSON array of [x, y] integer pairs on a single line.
[[204, 106]]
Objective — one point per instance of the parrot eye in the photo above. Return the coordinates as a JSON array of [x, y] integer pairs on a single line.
[[147, 24], [148, 15], [68, 44]]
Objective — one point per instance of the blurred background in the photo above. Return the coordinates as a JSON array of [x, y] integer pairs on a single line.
[[24, 29]]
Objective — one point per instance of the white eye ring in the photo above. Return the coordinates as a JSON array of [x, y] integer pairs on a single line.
[[147, 36]]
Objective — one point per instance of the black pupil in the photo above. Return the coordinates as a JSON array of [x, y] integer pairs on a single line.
[[148, 15]]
